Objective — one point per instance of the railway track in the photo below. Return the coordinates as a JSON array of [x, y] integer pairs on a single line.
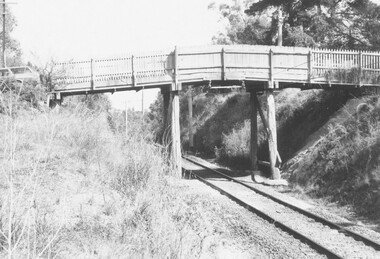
[[331, 239]]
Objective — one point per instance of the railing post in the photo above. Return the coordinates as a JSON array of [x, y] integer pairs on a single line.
[[133, 71], [175, 68], [309, 66], [223, 64], [92, 74], [271, 75], [360, 55]]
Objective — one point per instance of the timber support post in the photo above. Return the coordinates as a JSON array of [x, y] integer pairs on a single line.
[[165, 114], [190, 106], [271, 116], [254, 133], [175, 132], [272, 134], [54, 100], [175, 114]]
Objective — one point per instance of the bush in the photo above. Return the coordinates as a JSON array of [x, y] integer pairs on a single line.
[[15, 96]]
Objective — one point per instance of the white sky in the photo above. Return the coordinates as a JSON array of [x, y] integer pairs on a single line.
[[81, 29]]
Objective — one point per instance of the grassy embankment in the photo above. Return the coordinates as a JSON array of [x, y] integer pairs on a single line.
[[344, 164], [74, 186]]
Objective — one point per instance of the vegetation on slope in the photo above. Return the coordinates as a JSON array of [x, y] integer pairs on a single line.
[[344, 164]]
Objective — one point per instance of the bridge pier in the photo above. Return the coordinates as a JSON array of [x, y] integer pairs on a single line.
[[269, 123], [190, 106], [175, 130], [254, 133], [165, 114], [272, 134], [54, 100]]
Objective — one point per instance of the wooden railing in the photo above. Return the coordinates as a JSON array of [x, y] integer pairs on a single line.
[[222, 63]]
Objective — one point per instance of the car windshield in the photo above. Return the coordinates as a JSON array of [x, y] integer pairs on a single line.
[[20, 70]]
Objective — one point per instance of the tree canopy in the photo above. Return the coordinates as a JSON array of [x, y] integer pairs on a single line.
[[347, 24], [12, 46]]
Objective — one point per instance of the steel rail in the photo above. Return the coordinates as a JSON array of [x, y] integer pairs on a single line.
[[313, 244], [309, 214]]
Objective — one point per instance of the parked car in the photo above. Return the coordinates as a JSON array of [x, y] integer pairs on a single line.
[[18, 73]]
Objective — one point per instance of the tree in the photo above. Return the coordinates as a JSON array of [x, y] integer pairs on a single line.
[[352, 24], [12, 46], [240, 27]]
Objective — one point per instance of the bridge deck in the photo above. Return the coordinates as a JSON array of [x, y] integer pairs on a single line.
[[227, 65]]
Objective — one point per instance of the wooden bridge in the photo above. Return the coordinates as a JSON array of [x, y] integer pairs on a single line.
[[220, 65], [258, 68]]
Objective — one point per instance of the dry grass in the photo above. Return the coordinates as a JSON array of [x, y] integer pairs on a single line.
[[74, 186]]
